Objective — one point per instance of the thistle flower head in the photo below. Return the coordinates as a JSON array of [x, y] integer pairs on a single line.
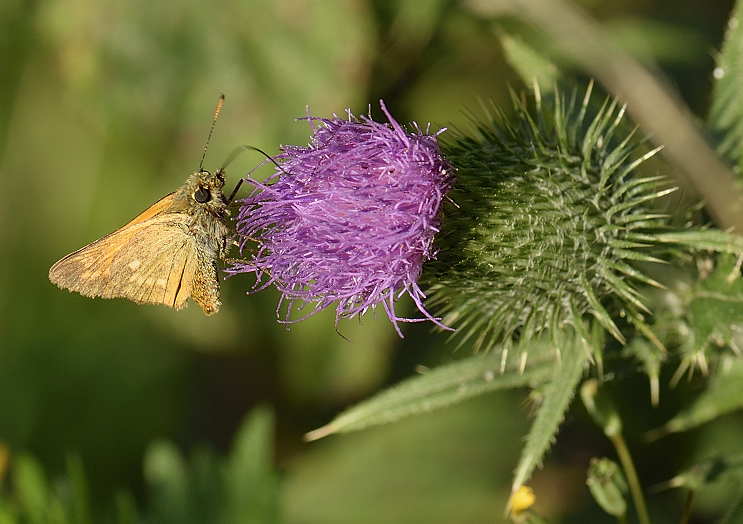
[[349, 220], [551, 220]]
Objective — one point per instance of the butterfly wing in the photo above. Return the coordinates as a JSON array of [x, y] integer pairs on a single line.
[[157, 265], [153, 261], [154, 210]]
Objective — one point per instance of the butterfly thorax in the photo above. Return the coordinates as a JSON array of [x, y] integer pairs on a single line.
[[202, 199]]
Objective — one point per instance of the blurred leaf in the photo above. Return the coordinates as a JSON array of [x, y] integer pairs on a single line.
[[79, 491], [7, 515], [717, 307], [441, 387], [601, 407], [726, 112], [719, 468], [724, 395], [167, 481], [735, 514], [711, 470], [181, 492], [207, 490], [654, 41], [142, 61], [33, 500], [651, 356], [556, 397], [31, 488], [251, 481], [126, 508], [531, 65], [242, 488]]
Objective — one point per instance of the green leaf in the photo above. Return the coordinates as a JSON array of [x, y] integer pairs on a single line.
[[651, 356], [444, 386], [717, 307], [556, 397], [166, 476], [735, 513], [206, 487], [126, 508], [243, 488], [533, 67], [718, 468], [726, 112], [724, 395], [31, 488], [7, 515], [251, 482], [79, 491]]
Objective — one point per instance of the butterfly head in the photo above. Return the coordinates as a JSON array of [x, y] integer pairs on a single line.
[[204, 190]]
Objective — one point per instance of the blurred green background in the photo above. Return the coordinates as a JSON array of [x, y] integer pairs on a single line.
[[105, 107]]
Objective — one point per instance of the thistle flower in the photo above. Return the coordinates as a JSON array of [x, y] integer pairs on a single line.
[[349, 220]]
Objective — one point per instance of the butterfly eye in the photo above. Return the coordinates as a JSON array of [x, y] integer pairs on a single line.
[[201, 195]]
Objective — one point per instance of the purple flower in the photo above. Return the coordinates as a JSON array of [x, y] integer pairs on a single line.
[[350, 219]]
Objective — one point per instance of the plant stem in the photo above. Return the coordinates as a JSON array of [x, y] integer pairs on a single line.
[[629, 470], [687, 509]]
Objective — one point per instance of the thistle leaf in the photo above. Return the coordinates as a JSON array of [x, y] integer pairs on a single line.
[[444, 386], [718, 468], [726, 112], [556, 397], [651, 356], [724, 395]]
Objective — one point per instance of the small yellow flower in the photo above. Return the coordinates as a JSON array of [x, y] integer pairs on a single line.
[[521, 500]]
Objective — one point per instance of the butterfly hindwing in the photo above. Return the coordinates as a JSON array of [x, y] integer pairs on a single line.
[[158, 264]]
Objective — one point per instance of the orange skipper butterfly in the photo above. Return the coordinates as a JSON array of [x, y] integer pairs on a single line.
[[165, 255]]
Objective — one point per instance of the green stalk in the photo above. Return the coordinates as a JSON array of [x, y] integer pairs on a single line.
[[629, 470], [603, 412]]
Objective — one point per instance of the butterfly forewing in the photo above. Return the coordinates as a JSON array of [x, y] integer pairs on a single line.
[[155, 209], [153, 262], [88, 270]]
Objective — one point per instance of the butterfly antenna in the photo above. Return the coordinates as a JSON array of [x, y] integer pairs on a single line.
[[241, 149], [216, 114]]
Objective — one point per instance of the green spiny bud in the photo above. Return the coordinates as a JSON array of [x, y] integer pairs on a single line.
[[608, 486], [546, 221]]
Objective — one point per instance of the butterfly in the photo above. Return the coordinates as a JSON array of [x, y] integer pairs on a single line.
[[165, 255]]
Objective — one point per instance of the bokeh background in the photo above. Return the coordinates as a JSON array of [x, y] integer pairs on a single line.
[[105, 107]]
